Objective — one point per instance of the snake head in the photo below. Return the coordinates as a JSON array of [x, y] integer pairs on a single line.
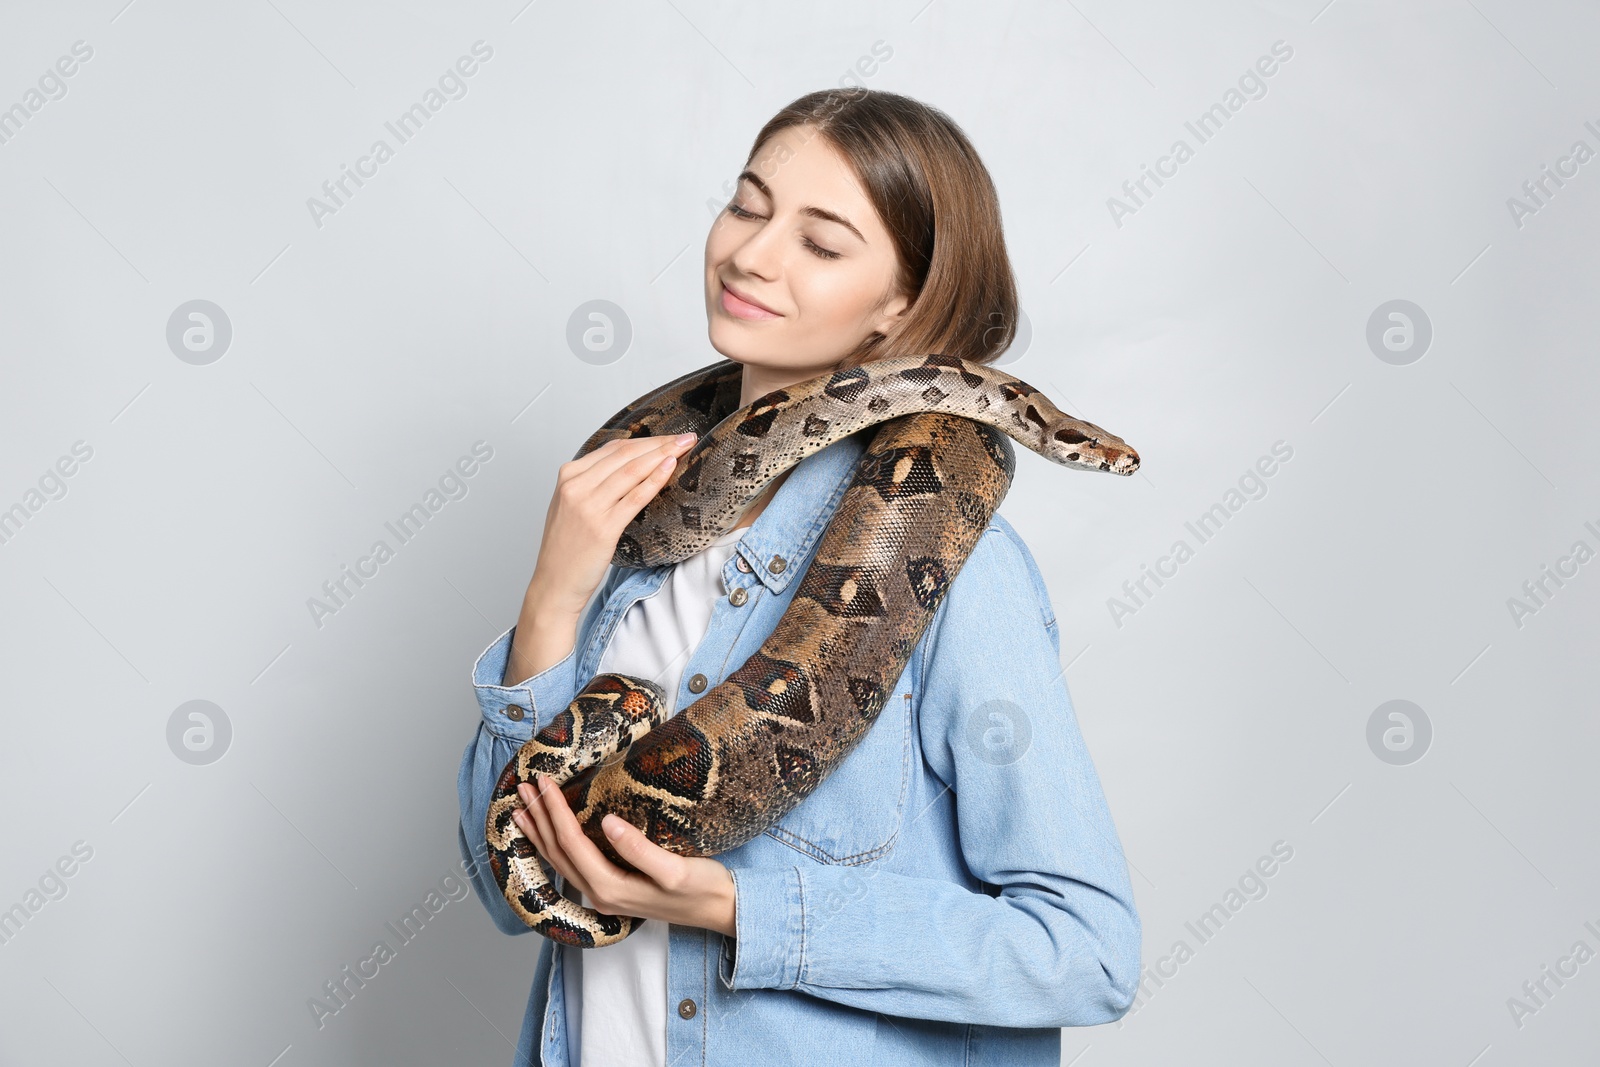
[[1087, 446]]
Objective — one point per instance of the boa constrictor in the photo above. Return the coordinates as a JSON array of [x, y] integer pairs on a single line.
[[732, 763]]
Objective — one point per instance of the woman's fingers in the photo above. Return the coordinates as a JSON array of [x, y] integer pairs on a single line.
[[593, 469], [541, 820], [644, 491], [599, 455], [535, 821], [585, 858], [523, 817], [627, 476], [582, 527]]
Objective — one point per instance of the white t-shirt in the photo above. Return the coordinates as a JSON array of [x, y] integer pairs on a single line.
[[617, 995]]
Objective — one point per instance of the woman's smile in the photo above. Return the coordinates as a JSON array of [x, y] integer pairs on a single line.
[[742, 307]]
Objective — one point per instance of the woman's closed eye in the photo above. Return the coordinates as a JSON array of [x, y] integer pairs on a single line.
[[741, 213]]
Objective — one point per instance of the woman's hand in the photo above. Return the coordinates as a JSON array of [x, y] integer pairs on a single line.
[[596, 496], [688, 890]]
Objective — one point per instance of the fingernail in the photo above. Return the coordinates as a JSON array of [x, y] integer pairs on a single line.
[[613, 826], [685, 438]]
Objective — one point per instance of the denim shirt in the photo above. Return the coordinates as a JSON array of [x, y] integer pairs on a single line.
[[954, 892]]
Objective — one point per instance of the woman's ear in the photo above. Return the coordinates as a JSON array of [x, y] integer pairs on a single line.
[[891, 314]]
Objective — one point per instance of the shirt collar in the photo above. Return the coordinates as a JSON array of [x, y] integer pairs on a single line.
[[787, 528]]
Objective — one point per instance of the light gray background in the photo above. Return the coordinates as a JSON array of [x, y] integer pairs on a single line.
[[1228, 313]]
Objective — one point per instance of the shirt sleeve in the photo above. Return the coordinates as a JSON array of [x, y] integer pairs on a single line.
[[1054, 938], [508, 717]]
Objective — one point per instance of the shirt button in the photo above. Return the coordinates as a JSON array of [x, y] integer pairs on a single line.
[[738, 597], [777, 564], [686, 1008], [697, 684], [743, 564], [514, 713]]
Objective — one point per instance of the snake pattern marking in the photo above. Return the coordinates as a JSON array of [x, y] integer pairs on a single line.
[[749, 749]]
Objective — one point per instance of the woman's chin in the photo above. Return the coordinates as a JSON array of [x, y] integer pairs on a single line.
[[733, 343]]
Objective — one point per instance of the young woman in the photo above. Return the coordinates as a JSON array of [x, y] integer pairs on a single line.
[[954, 892]]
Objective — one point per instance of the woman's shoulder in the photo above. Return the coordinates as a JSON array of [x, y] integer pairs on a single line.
[[1001, 570], [993, 636], [999, 591]]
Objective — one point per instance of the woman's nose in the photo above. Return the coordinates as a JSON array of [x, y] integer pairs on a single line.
[[757, 255]]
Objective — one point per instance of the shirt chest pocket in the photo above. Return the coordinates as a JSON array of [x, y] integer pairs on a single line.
[[854, 816]]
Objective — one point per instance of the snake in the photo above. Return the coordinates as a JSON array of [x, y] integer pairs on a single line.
[[936, 463]]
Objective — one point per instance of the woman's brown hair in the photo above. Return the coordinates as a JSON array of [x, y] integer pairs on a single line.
[[935, 196]]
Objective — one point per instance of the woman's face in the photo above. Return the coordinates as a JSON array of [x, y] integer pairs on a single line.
[[799, 267]]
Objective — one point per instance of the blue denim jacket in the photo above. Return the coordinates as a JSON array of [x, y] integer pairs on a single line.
[[954, 892]]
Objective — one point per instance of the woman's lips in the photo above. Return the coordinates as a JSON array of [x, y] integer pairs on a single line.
[[744, 309]]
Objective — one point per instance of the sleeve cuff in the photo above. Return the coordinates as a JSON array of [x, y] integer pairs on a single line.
[[517, 712], [769, 915]]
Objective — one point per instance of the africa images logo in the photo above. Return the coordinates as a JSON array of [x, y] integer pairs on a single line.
[[452, 85]]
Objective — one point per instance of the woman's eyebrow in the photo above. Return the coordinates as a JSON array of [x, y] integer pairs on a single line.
[[814, 212]]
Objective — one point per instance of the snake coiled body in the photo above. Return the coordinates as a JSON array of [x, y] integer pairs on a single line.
[[749, 749]]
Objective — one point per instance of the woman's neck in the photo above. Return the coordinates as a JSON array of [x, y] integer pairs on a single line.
[[759, 381]]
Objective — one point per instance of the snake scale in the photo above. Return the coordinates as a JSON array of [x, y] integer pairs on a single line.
[[750, 748]]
